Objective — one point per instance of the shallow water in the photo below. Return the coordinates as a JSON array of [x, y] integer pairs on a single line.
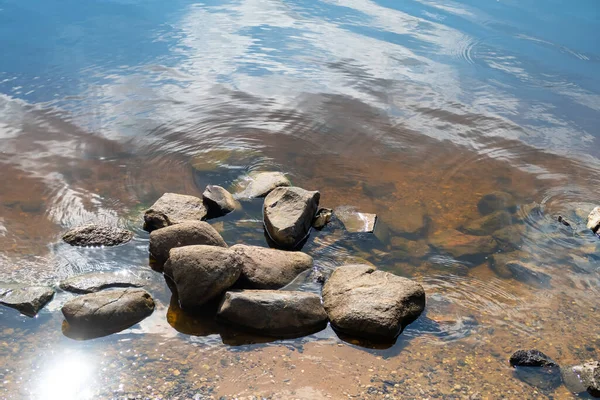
[[412, 110]]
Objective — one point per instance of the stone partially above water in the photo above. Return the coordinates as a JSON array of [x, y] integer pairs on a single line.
[[97, 235], [593, 220], [322, 218], [29, 300], [173, 209], [186, 233], [531, 358], [582, 378], [288, 215], [276, 313], [110, 310], [264, 268], [355, 221], [262, 183], [459, 244], [218, 201], [200, 273], [96, 281], [363, 302], [496, 201]]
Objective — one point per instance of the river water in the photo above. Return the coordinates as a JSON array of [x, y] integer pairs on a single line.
[[413, 110]]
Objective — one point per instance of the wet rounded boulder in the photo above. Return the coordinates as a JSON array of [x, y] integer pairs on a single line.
[[186, 233], [264, 268], [201, 273], [288, 215], [273, 312], [364, 302], [172, 209], [97, 235], [218, 201], [110, 310]]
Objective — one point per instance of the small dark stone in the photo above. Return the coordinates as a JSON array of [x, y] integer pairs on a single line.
[[322, 218], [531, 358], [97, 235], [563, 221], [96, 281], [496, 201]]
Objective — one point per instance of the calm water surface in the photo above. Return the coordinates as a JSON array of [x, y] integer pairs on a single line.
[[413, 110]]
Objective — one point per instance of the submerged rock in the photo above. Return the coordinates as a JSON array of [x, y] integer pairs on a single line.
[[322, 218], [496, 201], [96, 281], [406, 219], [355, 221], [200, 273], [110, 310], [274, 312], [97, 235], [288, 215], [264, 268], [29, 300], [218, 201], [531, 358], [361, 301], [582, 378], [409, 248], [498, 262], [459, 244], [262, 183], [528, 273], [510, 237], [185, 233], [488, 223], [593, 220], [173, 209]]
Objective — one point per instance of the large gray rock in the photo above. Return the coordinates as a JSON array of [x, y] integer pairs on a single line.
[[361, 301], [583, 378], [110, 310], [97, 235], [496, 201], [218, 201], [264, 268], [185, 233], [459, 244], [96, 281], [173, 209], [288, 215], [261, 184], [29, 300], [273, 312], [488, 223], [593, 220], [201, 273]]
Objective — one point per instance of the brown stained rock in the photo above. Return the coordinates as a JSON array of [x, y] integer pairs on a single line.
[[459, 244], [488, 224], [363, 302], [97, 235], [173, 209], [273, 312], [264, 268], [496, 201], [185, 233]]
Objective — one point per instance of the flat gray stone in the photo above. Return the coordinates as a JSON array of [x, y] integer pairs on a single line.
[[97, 235], [172, 209], [355, 221], [96, 281], [276, 313], [262, 183], [29, 300]]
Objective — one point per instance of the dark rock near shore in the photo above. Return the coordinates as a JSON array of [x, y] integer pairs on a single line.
[[531, 358], [262, 183], [288, 215], [274, 312], [459, 244], [201, 273], [361, 301], [218, 201], [186, 233], [110, 310], [172, 209], [96, 281], [488, 224], [582, 378], [322, 218], [29, 300], [496, 201], [593, 220], [264, 268], [97, 235]]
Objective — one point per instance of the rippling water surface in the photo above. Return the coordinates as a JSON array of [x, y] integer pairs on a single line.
[[413, 110]]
